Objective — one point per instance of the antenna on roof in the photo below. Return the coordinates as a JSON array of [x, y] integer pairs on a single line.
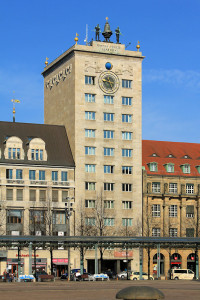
[[128, 45], [86, 37], [14, 101]]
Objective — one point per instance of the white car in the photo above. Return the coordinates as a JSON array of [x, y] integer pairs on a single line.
[[101, 277], [136, 276], [123, 275]]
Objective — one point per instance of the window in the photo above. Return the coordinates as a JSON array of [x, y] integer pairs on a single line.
[[126, 118], [90, 168], [19, 195], [9, 173], [127, 222], [90, 221], [59, 218], [186, 169], [64, 196], [14, 153], [108, 186], [108, 204], [126, 187], [189, 232], [173, 211], [64, 176], [190, 211], [108, 99], [31, 174], [156, 232], [189, 188], [41, 154], [108, 151], [108, 117], [155, 187], [9, 194], [32, 195], [89, 98], [108, 169], [169, 168], [126, 83], [126, 101], [42, 195], [37, 217], [90, 186], [14, 216], [54, 175], [89, 150], [36, 154], [89, 115], [126, 135], [126, 204], [156, 210], [153, 167], [41, 175], [108, 134], [109, 221], [173, 188], [90, 133], [90, 80], [173, 232], [127, 170], [90, 203], [19, 174], [127, 152], [55, 195]]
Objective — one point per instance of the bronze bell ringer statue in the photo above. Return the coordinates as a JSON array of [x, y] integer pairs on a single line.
[[107, 32]]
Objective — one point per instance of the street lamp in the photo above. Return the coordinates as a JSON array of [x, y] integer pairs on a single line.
[[68, 211]]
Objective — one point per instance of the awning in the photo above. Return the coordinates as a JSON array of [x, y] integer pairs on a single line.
[[60, 261]]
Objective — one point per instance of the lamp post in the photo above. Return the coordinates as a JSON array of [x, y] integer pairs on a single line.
[[68, 211]]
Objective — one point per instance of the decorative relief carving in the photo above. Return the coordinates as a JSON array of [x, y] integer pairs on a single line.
[[58, 77], [124, 69], [95, 66]]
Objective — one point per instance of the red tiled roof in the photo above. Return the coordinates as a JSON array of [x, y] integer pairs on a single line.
[[178, 150]]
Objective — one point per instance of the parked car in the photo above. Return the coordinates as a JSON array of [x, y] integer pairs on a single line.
[[111, 274], [37, 274], [123, 275], [177, 274], [84, 277], [136, 276], [100, 276]]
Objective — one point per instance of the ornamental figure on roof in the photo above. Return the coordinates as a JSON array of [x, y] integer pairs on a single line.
[[97, 31], [118, 33]]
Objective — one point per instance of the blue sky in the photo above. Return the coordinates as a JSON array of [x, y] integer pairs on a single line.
[[168, 31]]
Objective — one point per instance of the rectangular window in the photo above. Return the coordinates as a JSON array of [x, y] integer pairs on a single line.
[[126, 187], [9, 194], [90, 168], [64, 196], [189, 232], [9, 173], [19, 174], [19, 195], [54, 175], [127, 204], [59, 218], [186, 169], [89, 98], [189, 188], [32, 154], [90, 80], [170, 168], [155, 187], [109, 221], [108, 151], [190, 211], [89, 115], [90, 133], [156, 232], [90, 186], [14, 153], [42, 195], [90, 203], [126, 101], [108, 169], [108, 117], [36, 154], [126, 135], [153, 167], [108, 134], [108, 204], [108, 186], [64, 176], [41, 154], [89, 150], [156, 210], [127, 152], [32, 195], [126, 118], [90, 221], [127, 170], [173, 189], [55, 195], [14, 216], [31, 174], [126, 83], [41, 175], [127, 222], [108, 99], [173, 211], [173, 232], [9, 153], [37, 217], [18, 153]]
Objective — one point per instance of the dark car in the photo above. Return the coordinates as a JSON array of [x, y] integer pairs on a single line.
[[37, 274], [111, 274]]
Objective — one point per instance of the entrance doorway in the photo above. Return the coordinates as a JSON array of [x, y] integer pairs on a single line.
[[191, 262], [162, 264], [176, 261]]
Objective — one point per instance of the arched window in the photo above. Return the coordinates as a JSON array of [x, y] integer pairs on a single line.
[[37, 150], [14, 148]]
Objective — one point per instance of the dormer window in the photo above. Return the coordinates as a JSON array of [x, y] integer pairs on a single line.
[[169, 168], [36, 154], [37, 150], [186, 168], [198, 169], [14, 153], [153, 167], [170, 155], [154, 154], [13, 148]]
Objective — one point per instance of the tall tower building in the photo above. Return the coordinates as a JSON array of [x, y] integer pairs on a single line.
[[95, 91]]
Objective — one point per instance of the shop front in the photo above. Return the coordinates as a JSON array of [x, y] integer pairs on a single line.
[[60, 266], [14, 266]]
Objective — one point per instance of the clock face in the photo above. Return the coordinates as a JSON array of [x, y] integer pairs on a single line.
[[108, 82]]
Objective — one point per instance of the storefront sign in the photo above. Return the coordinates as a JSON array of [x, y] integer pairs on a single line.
[[3, 254], [60, 261], [123, 253], [27, 255]]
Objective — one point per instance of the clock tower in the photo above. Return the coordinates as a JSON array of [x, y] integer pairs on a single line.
[[95, 91]]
